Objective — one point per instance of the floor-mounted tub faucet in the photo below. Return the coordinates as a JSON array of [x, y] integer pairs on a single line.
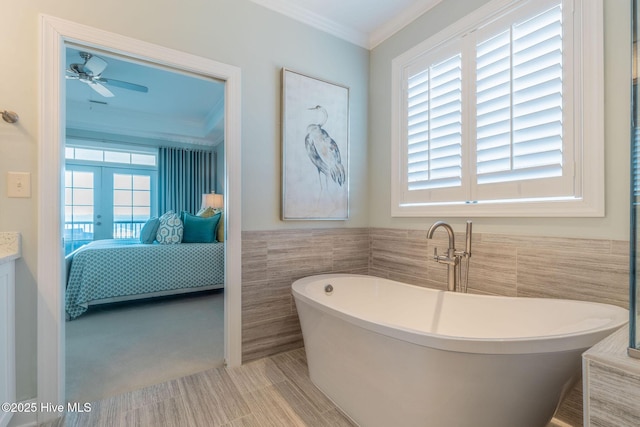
[[453, 257]]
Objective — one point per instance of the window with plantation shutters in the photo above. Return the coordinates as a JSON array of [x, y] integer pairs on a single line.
[[491, 114], [434, 126], [519, 101]]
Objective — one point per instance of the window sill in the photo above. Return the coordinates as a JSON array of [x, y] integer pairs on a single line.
[[567, 208]]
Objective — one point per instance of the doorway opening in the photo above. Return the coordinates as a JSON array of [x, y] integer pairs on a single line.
[[56, 34], [139, 323]]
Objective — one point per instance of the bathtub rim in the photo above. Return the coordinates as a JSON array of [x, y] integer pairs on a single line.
[[573, 341]]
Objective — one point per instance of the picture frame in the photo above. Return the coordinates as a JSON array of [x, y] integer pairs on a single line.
[[315, 148]]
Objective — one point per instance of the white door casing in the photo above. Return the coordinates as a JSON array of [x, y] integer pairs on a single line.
[[54, 34]]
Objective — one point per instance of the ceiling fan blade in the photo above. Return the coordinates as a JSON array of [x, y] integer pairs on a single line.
[[95, 65], [99, 88], [124, 85]]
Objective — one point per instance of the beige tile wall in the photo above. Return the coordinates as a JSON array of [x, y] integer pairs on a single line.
[[527, 266], [613, 381], [271, 262], [532, 266]]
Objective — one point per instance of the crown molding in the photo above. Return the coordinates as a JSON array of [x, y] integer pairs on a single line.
[[317, 21], [400, 21], [359, 38]]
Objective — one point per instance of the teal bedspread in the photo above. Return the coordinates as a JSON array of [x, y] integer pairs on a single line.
[[117, 268]]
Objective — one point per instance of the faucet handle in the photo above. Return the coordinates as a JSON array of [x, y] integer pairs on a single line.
[[435, 253]]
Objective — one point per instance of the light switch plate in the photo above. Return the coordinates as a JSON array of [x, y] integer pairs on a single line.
[[18, 184]]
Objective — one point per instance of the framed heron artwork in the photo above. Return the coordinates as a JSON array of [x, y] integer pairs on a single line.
[[315, 148]]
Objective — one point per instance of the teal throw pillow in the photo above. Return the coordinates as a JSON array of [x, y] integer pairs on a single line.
[[198, 229], [149, 230]]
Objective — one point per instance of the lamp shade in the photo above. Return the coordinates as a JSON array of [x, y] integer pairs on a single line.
[[212, 200]]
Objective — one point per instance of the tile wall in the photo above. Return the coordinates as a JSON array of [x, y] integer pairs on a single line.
[[528, 266], [271, 262], [613, 381]]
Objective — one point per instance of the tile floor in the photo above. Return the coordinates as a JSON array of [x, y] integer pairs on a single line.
[[274, 391]]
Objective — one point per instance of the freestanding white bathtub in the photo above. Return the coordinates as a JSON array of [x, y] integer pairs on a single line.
[[391, 354]]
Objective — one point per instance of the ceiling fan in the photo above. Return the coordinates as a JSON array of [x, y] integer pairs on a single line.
[[90, 72]]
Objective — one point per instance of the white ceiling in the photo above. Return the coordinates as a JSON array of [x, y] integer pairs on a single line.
[[366, 23], [178, 107]]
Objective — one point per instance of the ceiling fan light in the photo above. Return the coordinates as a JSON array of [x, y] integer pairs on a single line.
[[90, 73]]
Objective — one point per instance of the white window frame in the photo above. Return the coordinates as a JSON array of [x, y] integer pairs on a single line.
[[586, 108], [105, 171]]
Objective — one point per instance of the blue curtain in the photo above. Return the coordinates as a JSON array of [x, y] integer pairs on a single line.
[[183, 176]]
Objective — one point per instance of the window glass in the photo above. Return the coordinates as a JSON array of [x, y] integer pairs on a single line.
[[117, 157], [88, 154], [143, 159]]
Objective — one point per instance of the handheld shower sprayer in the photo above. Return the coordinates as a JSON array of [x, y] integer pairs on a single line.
[[467, 247]]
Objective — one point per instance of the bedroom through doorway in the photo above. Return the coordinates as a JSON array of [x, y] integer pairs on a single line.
[[144, 288]]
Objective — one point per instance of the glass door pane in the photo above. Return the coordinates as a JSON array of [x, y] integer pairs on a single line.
[[131, 203], [81, 206]]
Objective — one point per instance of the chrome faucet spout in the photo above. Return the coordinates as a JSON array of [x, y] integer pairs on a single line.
[[453, 257], [447, 227]]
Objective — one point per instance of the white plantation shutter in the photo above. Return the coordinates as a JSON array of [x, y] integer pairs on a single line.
[[520, 100], [434, 127], [501, 114]]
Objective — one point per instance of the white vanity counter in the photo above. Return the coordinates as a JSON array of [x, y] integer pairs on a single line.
[[10, 247]]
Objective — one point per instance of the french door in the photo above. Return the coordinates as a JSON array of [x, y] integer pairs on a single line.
[[106, 203]]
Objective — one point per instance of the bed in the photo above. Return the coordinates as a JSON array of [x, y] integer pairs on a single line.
[[117, 270]]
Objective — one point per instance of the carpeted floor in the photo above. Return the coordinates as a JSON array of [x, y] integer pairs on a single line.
[[127, 346]]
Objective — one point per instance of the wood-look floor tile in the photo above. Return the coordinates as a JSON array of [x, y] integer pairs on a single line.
[[279, 405], [167, 413], [335, 418], [300, 404], [255, 375], [65, 421], [143, 397], [246, 421], [211, 398], [293, 355], [103, 414], [571, 412], [297, 373]]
